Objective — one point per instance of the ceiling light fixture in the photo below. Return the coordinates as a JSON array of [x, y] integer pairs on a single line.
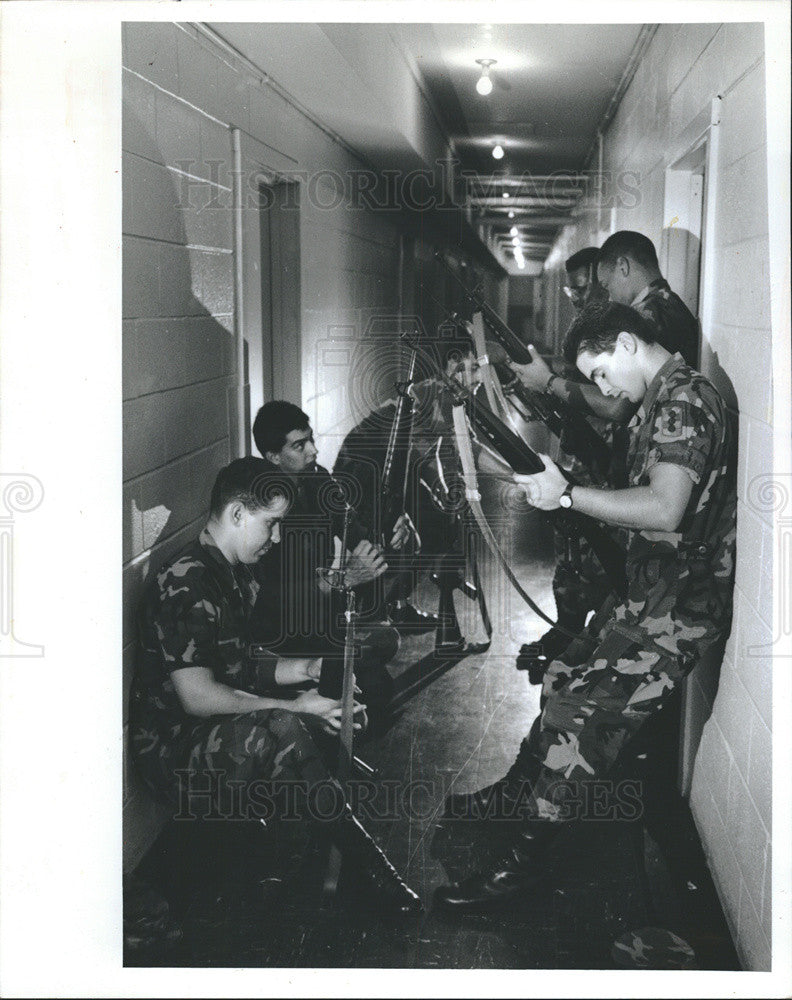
[[506, 194], [515, 241], [497, 152], [513, 231], [484, 84], [511, 215]]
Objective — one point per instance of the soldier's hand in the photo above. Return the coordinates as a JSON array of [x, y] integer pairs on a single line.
[[365, 564], [543, 490], [360, 723], [534, 375], [403, 530], [328, 710]]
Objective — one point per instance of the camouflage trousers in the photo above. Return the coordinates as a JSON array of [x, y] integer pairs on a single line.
[[591, 710], [579, 583], [228, 766]]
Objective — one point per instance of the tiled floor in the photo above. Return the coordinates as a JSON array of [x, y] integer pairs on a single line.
[[460, 731]]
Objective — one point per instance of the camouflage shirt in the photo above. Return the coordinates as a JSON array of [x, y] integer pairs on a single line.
[[194, 613], [680, 582], [675, 325]]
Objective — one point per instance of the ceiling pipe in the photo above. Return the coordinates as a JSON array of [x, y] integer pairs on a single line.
[[528, 202], [642, 42], [523, 180]]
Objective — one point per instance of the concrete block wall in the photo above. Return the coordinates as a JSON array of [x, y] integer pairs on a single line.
[[182, 94], [685, 67]]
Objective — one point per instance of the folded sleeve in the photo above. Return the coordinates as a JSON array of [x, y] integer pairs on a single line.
[[683, 435]]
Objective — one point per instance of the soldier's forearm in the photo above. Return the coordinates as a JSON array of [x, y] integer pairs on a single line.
[[212, 698], [641, 507]]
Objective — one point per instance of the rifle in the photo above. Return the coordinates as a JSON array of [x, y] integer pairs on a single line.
[[523, 460], [393, 482], [580, 439], [504, 335]]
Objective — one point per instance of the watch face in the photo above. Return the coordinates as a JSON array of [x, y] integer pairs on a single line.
[[565, 500]]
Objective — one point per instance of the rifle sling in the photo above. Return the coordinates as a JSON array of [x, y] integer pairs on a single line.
[[474, 501]]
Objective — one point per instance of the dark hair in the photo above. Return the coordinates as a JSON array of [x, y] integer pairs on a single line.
[[583, 258], [251, 481], [274, 421], [599, 324], [627, 243]]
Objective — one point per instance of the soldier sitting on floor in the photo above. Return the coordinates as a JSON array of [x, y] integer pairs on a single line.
[[208, 714], [680, 507], [295, 612]]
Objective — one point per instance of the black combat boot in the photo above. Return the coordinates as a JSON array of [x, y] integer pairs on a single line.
[[501, 800], [507, 881], [535, 657], [361, 852]]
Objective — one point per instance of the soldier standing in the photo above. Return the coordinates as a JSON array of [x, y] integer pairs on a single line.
[[680, 509], [627, 272], [579, 581]]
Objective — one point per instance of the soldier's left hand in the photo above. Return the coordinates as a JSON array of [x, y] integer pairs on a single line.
[[403, 530], [543, 489], [534, 375]]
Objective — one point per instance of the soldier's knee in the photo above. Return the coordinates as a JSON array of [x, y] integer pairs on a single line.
[[286, 724], [382, 643]]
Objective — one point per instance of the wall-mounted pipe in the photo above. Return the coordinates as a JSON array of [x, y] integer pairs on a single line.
[[600, 160], [242, 443]]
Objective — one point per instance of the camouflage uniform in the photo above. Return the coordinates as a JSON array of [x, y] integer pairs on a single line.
[[194, 614], [678, 601], [579, 582], [677, 328], [578, 588]]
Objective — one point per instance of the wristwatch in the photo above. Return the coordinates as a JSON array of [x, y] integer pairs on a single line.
[[565, 500]]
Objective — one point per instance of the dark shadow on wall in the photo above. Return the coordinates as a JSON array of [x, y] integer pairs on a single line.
[[179, 362]]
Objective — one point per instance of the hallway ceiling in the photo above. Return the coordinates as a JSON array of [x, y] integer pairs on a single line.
[[552, 88], [552, 85]]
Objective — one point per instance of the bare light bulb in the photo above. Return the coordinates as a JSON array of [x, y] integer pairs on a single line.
[[506, 194], [511, 215], [497, 153], [513, 231], [484, 84]]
